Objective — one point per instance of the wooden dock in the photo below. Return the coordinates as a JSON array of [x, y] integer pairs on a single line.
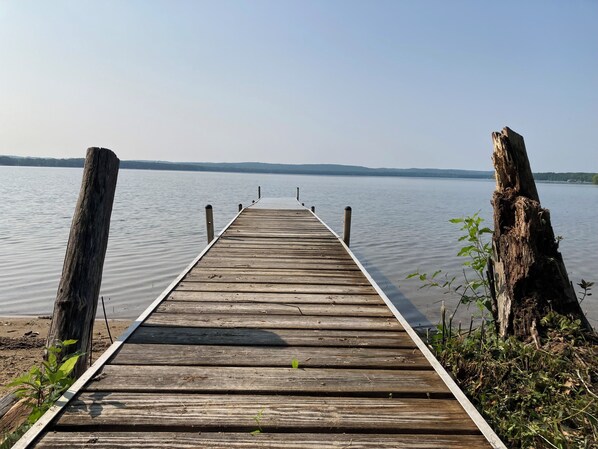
[[213, 362]]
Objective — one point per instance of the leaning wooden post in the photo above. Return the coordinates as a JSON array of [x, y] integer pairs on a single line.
[[297, 193], [259, 192], [347, 227], [527, 273], [79, 287], [210, 222]]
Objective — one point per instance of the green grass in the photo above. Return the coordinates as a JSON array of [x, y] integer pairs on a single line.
[[545, 397]]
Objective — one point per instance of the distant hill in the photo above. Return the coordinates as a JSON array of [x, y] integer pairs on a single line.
[[296, 169]]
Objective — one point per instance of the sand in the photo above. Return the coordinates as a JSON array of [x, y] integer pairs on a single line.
[[22, 341]]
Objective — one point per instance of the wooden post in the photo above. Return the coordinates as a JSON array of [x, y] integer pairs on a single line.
[[313, 209], [527, 274], [259, 192], [347, 227], [210, 222], [77, 297], [240, 207], [297, 193]]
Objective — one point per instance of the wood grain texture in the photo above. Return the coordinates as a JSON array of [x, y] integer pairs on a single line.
[[276, 271], [352, 310], [275, 288], [275, 263], [272, 321], [217, 440], [271, 337], [270, 356], [279, 380], [282, 298], [278, 413], [295, 278]]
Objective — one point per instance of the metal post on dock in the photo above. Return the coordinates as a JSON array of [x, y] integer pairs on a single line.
[[259, 192], [347, 227], [240, 207], [210, 222], [313, 209], [297, 193]]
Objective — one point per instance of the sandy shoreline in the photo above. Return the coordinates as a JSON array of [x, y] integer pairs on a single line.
[[22, 339]]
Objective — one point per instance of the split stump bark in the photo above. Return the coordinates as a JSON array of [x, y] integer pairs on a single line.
[[527, 272]]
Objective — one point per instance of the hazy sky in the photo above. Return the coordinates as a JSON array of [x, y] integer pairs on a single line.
[[375, 83]]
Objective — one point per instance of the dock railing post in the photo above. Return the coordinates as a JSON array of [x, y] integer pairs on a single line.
[[297, 193], [347, 227], [240, 207], [210, 222], [313, 209], [79, 288], [259, 192]]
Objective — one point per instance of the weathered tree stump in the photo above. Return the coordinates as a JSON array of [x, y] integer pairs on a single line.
[[79, 288], [529, 278]]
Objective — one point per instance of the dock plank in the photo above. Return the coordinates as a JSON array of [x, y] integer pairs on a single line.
[[275, 288], [270, 356], [278, 413], [295, 278], [271, 337], [255, 308], [217, 440], [267, 380], [159, 318], [279, 298]]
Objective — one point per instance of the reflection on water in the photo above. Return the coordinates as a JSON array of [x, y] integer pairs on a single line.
[[399, 225]]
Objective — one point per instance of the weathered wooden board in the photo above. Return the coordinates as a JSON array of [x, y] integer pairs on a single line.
[[271, 337], [281, 298], [272, 321], [275, 271], [279, 380], [316, 255], [295, 278], [273, 262], [275, 288], [307, 357], [188, 307], [230, 240], [244, 440], [277, 413]]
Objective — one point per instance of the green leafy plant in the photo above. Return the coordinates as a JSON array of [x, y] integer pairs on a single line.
[[43, 385], [258, 420], [295, 364], [585, 286], [473, 287]]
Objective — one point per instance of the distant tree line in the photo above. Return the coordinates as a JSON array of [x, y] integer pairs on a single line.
[[565, 177], [296, 169]]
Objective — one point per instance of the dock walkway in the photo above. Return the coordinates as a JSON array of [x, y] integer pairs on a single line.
[[275, 337]]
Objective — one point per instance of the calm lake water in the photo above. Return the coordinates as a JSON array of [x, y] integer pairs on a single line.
[[158, 227]]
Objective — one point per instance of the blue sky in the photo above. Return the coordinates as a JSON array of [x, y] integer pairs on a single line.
[[374, 83]]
